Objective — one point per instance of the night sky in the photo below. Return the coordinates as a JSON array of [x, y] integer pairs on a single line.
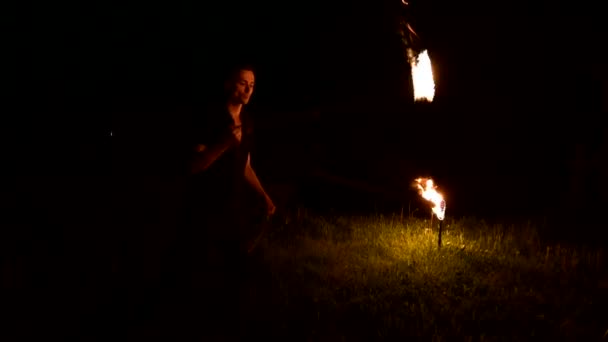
[[332, 80]]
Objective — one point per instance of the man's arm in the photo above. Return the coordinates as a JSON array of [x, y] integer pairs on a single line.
[[205, 155], [252, 179]]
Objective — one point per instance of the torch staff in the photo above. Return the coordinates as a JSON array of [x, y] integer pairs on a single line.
[[440, 216], [439, 237], [255, 242]]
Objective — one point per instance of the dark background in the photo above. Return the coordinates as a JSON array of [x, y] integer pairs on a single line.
[[514, 130], [98, 97]]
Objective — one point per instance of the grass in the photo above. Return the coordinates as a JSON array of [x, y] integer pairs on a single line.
[[351, 278]]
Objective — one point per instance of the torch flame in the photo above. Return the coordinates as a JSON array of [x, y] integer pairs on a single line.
[[422, 76], [428, 191]]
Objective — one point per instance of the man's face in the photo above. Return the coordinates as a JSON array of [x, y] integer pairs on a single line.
[[242, 88]]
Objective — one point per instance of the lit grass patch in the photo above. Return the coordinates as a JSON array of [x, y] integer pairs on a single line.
[[364, 278]]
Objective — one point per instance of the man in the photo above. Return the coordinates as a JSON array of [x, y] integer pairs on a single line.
[[221, 171], [221, 167], [239, 88]]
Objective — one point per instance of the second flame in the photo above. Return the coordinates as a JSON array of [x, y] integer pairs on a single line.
[[428, 191]]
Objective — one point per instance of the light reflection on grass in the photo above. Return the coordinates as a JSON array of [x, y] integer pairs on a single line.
[[382, 277]]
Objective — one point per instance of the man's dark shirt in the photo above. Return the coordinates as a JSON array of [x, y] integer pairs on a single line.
[[219, 190]]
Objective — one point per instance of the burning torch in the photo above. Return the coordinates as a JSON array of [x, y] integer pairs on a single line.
[[428, 191], [417, 57]]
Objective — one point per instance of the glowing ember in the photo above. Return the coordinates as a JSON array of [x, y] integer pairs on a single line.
[[422, 76], [428, 191]]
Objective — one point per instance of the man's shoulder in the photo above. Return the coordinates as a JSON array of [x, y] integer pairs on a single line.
[[248, 116], [211, 114], [214, 107], [209, 123]]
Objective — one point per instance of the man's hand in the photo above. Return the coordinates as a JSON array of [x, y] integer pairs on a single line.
[[237, 133]]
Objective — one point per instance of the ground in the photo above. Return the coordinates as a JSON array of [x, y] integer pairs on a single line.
[[320, 277], [317, 278]]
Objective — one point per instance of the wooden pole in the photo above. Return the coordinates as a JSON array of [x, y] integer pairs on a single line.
[[440, 229], [264, 228]]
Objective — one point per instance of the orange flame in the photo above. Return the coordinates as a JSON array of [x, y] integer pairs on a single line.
[[428, 191]]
